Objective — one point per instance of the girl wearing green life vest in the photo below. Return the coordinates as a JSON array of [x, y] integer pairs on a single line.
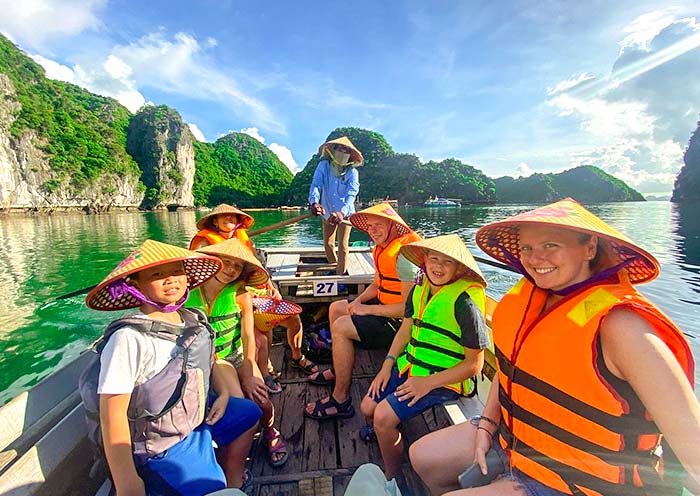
[[438, 347], [229, 308]]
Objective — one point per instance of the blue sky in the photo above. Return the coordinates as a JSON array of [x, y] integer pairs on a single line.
[[511, 87]]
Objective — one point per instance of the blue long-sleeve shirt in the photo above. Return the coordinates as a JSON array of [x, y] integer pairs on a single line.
[[335, 194]]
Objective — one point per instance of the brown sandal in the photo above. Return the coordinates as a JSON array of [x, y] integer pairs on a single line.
[[308, 366]]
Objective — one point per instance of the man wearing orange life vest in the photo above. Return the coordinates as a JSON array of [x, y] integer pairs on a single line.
[[585, 363], [372, 319]]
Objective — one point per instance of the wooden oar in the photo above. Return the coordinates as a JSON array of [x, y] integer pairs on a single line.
[[262, 230], [272, 227]]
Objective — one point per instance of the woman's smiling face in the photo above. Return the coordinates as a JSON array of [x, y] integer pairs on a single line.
[[555, 257]]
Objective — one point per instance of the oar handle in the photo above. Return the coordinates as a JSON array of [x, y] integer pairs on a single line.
[[496, 264], [251, 233], [286, 222]]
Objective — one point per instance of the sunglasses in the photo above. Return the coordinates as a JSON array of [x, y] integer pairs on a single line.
[[341, 148]]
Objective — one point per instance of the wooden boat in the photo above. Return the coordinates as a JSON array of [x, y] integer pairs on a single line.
[[42, 432]]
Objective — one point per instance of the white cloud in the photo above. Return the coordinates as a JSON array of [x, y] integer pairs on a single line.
[[524, 170], [255, 133], [111, 79], [568, 84], [640, 116], [196, 132], [180, 65], [177, 65], [33, 23], [285, 156], [282, 152], [54, 70], [645, 27]]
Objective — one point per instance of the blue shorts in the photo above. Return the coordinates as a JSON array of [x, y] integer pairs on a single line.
[[190, 467], [401, 409], [524, 482]]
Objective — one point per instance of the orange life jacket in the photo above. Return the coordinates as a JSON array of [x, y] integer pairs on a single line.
[[566, 419], [213, 237], [385, 275]]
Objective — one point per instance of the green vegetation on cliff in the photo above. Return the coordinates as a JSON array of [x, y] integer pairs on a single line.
[[238, 169], [585, 183], [153, 137], [400, 176], [687, 186], [83, 134]]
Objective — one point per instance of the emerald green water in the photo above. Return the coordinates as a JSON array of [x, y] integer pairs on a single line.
[[43, 257]]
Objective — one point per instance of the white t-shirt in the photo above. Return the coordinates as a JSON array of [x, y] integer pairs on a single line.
[[131, 358]]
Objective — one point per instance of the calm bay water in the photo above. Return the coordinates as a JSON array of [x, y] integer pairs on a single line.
[[44, 257]]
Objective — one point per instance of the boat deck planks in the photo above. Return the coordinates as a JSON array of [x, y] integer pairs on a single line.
[[324, 454], [296, 270]]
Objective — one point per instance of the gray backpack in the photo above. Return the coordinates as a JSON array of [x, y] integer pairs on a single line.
[[166, 408]]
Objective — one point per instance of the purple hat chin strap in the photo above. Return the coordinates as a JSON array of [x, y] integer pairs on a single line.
[[120, 288]]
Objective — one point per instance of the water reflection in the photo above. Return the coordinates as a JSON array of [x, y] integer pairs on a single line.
[[687, 230]]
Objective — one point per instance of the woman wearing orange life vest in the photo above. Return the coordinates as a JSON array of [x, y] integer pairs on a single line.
[[222, 223], [590, 373]]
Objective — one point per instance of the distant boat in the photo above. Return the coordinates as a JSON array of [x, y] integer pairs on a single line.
[[441, 203], [377, 201]]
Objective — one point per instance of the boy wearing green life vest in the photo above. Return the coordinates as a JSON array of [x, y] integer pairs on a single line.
[[438, 347], [229, 309]]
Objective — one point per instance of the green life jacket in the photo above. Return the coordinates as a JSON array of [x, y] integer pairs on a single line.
[[224, 315], [434, 345]]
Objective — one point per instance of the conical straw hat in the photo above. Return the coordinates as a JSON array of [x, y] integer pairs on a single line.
[[245, 219], [359, 219], [356, 158], [568, 213], [255, 274], [268, 312], [151, 253], [450, 245]]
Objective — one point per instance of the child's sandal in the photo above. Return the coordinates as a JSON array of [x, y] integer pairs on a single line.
[[367, 434], [273, 385], [342, 410], [305, 365], [273, 436]]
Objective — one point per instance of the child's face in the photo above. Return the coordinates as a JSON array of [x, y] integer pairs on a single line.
[[226, 222], [165, 284], [440, 268], [231, 270]]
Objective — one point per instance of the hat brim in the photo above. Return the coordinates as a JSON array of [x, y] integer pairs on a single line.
[[253, 272], [506, 234], [417, 251], [246, 220], [199, 269], [356, 158], [267, 312]]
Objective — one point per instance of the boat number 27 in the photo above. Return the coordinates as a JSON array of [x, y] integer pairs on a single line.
[[325, 288]]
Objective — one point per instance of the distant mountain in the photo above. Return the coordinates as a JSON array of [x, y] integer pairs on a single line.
[[239, 169], [585, 183], [687, 186], [60, 145], [400, 176], [64, 147]]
